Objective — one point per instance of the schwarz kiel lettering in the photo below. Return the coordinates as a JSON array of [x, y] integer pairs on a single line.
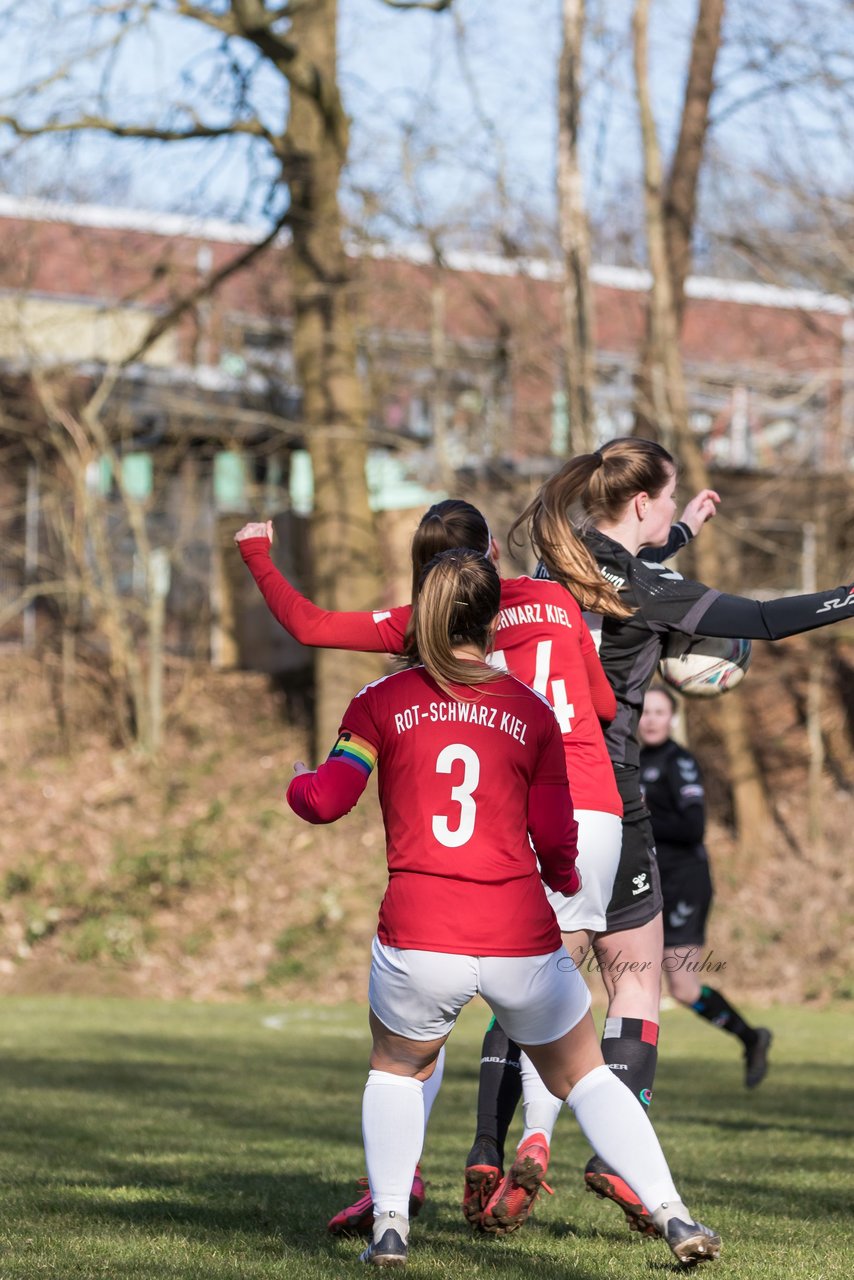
[[461, 713], [528, 614]]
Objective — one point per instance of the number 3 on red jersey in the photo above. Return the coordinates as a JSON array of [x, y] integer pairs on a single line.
[[564, 710], [453, 837]]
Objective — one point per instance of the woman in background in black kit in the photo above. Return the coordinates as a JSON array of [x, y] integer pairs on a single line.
[[673, 790]]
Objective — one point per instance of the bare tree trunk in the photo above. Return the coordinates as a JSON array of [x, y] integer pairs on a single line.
[[344, 551], [577, 298], [679, 201], [666, 386], [439, 390], [664, 379]]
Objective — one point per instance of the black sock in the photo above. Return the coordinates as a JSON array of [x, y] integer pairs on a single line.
[[716, 1009], [500, 1086], [630, 1049]]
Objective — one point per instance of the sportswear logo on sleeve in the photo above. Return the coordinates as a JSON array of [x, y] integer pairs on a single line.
[[381, 614], [836, 603], [693, 791], [358, 752]]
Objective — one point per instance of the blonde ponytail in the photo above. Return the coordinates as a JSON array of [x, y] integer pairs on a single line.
[[590, 488], [458, 599]]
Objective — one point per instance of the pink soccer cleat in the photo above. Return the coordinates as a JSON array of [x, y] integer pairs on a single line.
[[358, 1218]]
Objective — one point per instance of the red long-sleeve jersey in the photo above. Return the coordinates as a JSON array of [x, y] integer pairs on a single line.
[[463, 779], [542, 639]]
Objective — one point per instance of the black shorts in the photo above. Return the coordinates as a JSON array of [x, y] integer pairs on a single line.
[[686, 887], [636, 898]]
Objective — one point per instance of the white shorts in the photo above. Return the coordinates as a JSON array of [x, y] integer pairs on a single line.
[[600, 838], [419, 994]]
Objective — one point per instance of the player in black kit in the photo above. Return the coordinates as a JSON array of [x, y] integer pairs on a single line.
[[673, 790], [592, 525]]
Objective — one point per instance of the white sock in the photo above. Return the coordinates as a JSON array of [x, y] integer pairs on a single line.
[[393, 1133], [541, 1108], [432, 1086], [618, 1129]]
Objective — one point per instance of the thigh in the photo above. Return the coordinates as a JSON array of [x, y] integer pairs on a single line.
[[637, 889], [629, 962], [536, 999], [418, 995], [400, 1056], [563, 1062], [578, 945], [687, 893], [600, 838]]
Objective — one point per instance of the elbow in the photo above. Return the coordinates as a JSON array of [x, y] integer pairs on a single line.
[[326, 812], [320, 811]]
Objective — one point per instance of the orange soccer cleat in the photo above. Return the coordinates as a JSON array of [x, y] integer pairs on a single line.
[[510, 1203]]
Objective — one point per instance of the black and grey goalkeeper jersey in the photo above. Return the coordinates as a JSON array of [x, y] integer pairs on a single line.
[[664, 601], [630, 648]]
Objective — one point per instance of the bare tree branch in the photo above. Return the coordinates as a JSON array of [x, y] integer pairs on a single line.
[[100, 124], [208, 286], [435, 6]]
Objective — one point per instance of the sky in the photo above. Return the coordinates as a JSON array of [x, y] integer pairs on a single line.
[[454, 116]]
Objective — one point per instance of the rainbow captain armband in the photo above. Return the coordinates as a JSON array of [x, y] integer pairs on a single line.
[[355, 751]]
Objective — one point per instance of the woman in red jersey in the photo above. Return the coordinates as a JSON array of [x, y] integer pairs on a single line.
[[472, 774], [543, 640]]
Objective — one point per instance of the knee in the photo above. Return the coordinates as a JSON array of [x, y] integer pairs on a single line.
[[685, 989]]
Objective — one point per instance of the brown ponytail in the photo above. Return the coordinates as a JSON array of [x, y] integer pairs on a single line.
[[448, 524], [588, 489], [459, 596], [452, 523]]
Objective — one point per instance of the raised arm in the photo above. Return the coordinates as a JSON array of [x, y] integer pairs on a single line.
[[379, 632], [680, 535], [701, 508]]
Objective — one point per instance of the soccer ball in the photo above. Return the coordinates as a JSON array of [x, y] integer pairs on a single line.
[[704, 666]]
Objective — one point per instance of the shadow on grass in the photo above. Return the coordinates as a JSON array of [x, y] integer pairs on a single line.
[[121, 1120], [279, 1219]]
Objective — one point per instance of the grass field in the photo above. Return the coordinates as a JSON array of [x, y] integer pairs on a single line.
[[142, 1139]]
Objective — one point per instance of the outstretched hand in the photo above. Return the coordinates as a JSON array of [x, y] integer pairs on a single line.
[[700, 509], [299, 768], [255, 530]]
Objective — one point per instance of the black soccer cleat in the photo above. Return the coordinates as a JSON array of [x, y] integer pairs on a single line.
[[389, 1247], [690, 1242], [483, 1173], [756, 1058]]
